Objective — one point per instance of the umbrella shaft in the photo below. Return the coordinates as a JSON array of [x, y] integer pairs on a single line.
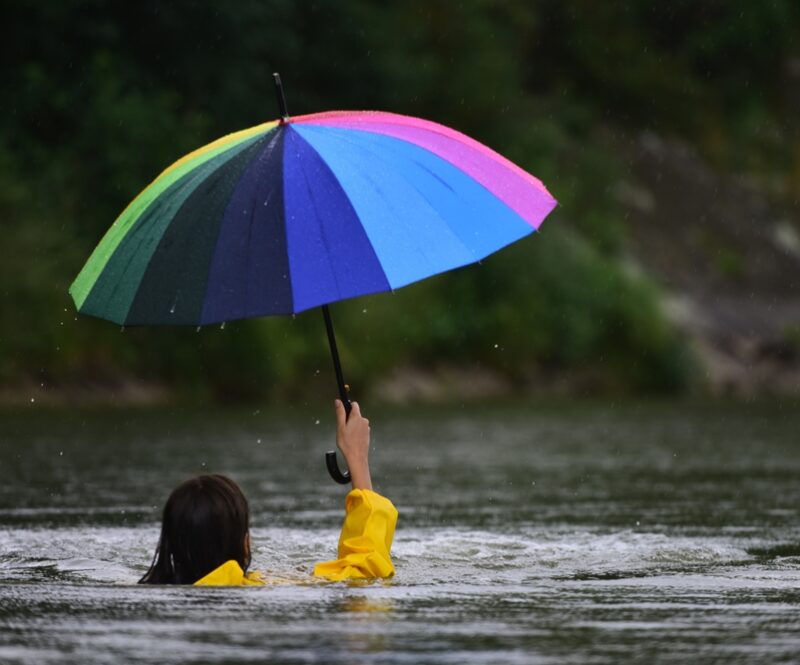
[[337, 366]]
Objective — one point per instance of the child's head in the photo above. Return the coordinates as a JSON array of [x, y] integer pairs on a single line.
[[206, 523]]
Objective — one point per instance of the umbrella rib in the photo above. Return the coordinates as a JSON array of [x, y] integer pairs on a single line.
[[455, 166], [402, 121], [378, 156], [473, 154], [139, 234], [140, 229], [266, 154], [253, 207], [245, 167], [208, 177], [399, 218], [321, 226], [86, 279]]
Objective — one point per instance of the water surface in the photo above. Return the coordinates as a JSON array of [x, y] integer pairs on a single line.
[[563, 534]]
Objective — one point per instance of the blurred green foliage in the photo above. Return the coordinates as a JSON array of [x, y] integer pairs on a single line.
[[99, 96]]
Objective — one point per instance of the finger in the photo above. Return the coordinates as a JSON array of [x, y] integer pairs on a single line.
[[356, 410], [341, 414]]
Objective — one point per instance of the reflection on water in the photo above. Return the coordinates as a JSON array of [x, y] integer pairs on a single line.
[[558, 534]]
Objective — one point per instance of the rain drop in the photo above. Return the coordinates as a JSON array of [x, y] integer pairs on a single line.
[[316, 422], [197, 329], [222, 326]]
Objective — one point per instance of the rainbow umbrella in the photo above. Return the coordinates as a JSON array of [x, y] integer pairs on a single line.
[[301, 212]]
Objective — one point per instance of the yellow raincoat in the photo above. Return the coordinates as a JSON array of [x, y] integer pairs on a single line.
[[364, 546]]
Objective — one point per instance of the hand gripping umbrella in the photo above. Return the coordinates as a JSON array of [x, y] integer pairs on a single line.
[[302, 212]]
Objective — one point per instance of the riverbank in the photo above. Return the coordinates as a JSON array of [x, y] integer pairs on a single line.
[[726, 256]]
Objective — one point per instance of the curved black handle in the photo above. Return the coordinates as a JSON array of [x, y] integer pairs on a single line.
[[341, 477]]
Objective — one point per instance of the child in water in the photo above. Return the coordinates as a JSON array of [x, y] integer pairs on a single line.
[[205, 532]]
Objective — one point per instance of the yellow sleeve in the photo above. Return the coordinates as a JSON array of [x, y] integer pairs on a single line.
[[230, 573], [366, 539]]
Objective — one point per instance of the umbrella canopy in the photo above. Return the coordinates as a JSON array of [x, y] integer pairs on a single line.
[[293, 214]]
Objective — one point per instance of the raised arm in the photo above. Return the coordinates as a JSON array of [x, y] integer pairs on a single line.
[[352, 438], [368, 530]]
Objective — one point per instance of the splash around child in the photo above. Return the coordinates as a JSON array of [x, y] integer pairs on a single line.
[[205, 528]]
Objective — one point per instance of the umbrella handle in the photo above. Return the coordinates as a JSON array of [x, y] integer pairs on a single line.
[[341, 477]]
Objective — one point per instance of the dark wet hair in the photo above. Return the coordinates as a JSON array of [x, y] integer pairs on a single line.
[[205, 523]]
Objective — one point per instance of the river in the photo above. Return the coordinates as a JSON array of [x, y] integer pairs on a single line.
[[590, 533]]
